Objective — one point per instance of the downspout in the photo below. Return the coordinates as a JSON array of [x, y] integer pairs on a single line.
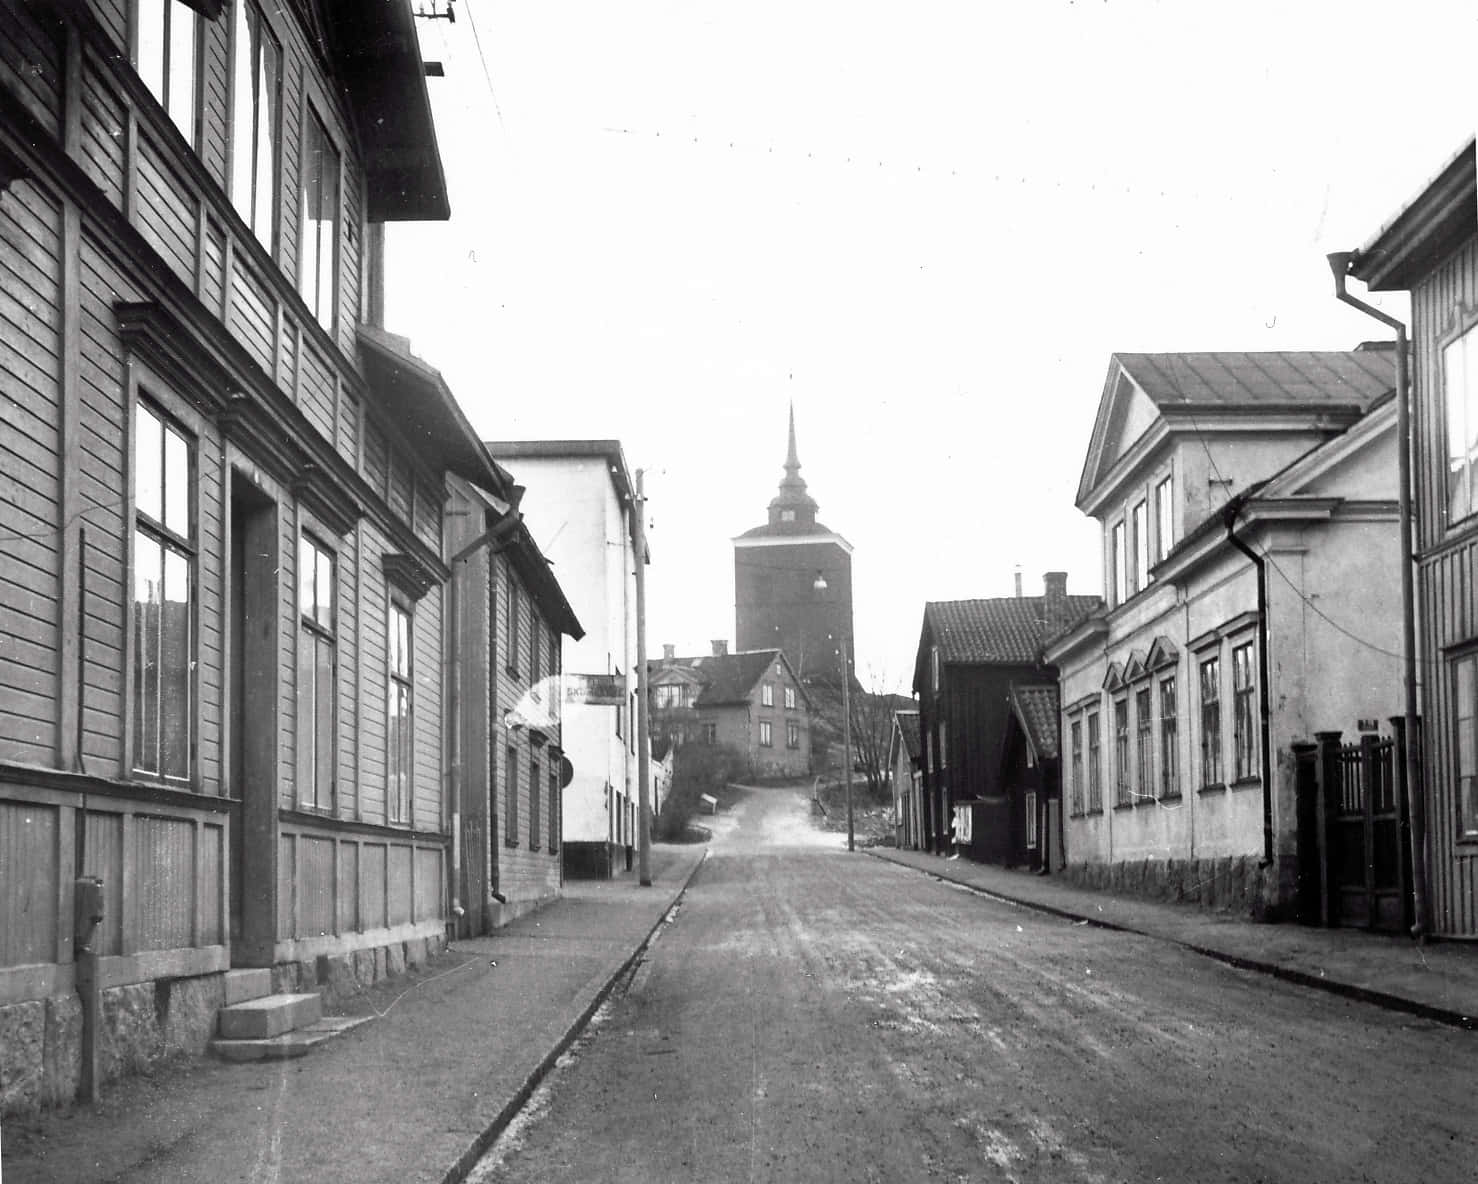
[[1229, 520], [1339, 264]]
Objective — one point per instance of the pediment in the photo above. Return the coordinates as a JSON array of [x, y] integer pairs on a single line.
[[1125, 415], [1162, 653], [1113, 678]]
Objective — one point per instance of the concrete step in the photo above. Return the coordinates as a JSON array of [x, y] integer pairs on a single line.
[[296, 1043], [245, 985], [261, 1019]]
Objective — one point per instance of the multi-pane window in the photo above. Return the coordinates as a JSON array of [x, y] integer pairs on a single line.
[[315, 720], [710, 733], [792, 734], [318, 246], [1120, 575], [1169, 740], [1211, 722], [1465, 750], [554, 819], [398, 744], [1077, 782], [534, 783], [668, 697], [1164, 520], [510, 797], [790, 698], [1095, 766], [167, 40], [1123, 792], [766, 738], [1144, 732], [1244, 726], [1460, 391], [767, 694], [255, 117], [164, 578], [1141, 546]]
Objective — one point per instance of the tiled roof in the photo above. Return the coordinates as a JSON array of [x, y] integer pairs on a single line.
[[1356, 377], [1007, 629], [726, 678], [908, 728], [1036, 710]]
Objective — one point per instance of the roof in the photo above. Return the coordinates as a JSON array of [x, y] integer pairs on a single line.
[[803, 532], [1035, 709], [727, 678], [908, 728], [1423, 232], [426, 411], [1005, 630], [1265, 379]]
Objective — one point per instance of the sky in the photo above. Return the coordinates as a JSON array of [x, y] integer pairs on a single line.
[[926, 226]]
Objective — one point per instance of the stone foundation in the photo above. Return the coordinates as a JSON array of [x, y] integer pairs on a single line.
[[147, 1024], [1233, 884]]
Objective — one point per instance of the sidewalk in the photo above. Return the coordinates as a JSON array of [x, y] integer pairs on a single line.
[[1437, 981], [417, 1094]]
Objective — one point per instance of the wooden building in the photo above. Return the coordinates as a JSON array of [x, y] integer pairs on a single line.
[[1430, 248], [221, 572], [970, 655], [904, 772], [1031, 776], [752, 702]]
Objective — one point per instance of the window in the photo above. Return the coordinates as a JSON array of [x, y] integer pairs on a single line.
[[1244, 728], [1164, 523], [315, 721], [164, 579], [1141, 547], [533, 645], [1031, 821], [510, 798], [792, 734], [767, 694], [1076, 787], [790, 698], [787, 515], [934, 668], [1095, 766], [554, 818], [1465, 750], [510, 628], [1460, 390], [1169, 740], [710, 733], [318, 248], [1123, 795], [1144, 723], [687, 696], [398, 744], [1118, 575], [167, 40], [667, 697], [1211, 722], [534, 783], [255, 116], [765, 738]]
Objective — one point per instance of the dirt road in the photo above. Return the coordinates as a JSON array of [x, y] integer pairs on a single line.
[[814, 1015]]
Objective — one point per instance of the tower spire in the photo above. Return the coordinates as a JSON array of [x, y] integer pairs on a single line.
[[792, 461], [793, 504]]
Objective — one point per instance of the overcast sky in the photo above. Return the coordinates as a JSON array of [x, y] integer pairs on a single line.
[[928, 224]]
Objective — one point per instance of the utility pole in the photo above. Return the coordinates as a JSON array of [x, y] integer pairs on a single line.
[[643, 741], [847, 740]]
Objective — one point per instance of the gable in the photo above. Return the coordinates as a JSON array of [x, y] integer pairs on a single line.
[[1125, 414], [1359, 465]]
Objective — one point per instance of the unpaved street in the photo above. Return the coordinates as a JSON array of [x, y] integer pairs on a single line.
[[814, 1015]]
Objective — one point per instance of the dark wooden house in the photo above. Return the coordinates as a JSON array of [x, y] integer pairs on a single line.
[[1430, 248], [970, 655], [221, 497], [1031, 769]]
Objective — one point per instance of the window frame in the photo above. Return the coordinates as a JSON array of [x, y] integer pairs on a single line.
[[1076, 787], [510, 627], [1164, 495], [554, 809], [1144, 742], [767, 734], [1118, 564], [1169, 738], [1464, 757], [789, 698], [400, 795], [767, 694], [1095, 762], [792, 734], [1466, 336], [312, 629], [1212, 770], [1244, 712], [510, 796], [535, 784], [1139, 516], [1123, 791], [267, 35], [311, 119], [147, 395], [167, 9]]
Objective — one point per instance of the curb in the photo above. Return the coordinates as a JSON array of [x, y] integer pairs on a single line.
[[465, 1162], [1303, 978]]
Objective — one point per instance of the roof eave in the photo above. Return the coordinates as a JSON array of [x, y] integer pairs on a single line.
[[1425, 230]]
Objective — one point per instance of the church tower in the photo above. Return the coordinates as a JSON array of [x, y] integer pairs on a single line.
[[776, 601]]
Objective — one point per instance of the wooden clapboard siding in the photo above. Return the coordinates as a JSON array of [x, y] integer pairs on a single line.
[[350, 414], [347, 914], [30, 460], [376, 457], [215, 263], [315, 886], [426, 778], [164, 870], [288, 626], [103, 119], [428, 514], [290, 166], [113, 14], [374, 880], [28, 879], [1447, 582], [400, 487], [102, 856], [350, 662], [165, 210], [253, 319], [31, 60], [210, 613], [353, 240], [374, 680], [399, 887], [430, 883], [316, 391], [215, 68]]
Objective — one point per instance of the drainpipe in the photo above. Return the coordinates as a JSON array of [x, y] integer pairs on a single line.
[[1339, 264], [1229, 520]]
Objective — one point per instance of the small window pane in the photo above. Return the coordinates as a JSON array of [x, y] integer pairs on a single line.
[[324, 607], [174, 649], [148, 464], [306, 554], [323, 724], [148, 618], [150, 60], [176, 483], [182, 39]]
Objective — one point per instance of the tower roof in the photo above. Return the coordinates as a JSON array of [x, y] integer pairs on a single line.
[[792, 504]]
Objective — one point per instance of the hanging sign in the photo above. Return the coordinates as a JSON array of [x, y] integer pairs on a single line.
[[596, 690]]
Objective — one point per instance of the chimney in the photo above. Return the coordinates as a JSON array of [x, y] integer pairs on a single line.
[[669, 652], [720, 648], [1018, 583], [1054, 597]]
